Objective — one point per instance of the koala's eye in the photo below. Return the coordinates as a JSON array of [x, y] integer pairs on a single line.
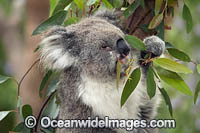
[[106, 48]]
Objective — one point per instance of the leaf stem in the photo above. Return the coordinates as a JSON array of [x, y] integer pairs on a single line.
[[42, 108], [20, 82]]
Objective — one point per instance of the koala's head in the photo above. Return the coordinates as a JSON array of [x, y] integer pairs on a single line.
[[94, 45]]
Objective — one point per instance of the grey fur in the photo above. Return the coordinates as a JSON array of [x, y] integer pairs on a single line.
[[77, 52]]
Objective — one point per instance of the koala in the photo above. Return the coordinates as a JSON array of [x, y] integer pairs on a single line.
[[86, 54]]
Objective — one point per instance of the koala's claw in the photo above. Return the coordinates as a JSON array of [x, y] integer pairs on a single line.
[[154, 45]]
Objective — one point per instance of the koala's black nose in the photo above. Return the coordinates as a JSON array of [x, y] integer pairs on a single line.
[[122, 48]]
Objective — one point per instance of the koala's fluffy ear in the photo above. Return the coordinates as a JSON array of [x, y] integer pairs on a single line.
[[58, 49], [155, 45], [111, 16]]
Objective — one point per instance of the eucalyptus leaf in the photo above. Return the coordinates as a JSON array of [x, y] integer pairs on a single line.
[[197, 90], [79, 3], [61, 6], [151, 85], [131, 8], [144, 27], [161, 30], [91, 2], [71, 20], [47, 130], [45, 80], [19, 102], [130, 85], [179, 54], [171, 65], [187, 16], [156, 21], [3, 114], [52, 87], [168, 45], [198, 68], [172, 3], [3, 79], [174, 80], [107, 4], [26, 110], [19, 127], [57, 19], [52, 108], [53, 4], [142, 3], [116, 3], [167, 100], [158, 5], [135, 42]]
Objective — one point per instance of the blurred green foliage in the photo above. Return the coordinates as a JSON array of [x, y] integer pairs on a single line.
[[8, 99], [186, 114]]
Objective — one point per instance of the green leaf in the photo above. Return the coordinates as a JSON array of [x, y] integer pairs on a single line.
[[79, 3], [158, 4], [45, 80], [151, 85], [61, 6], [53, 4], [172, 3], [188, 18], [135, 42], [26, 111], [3, 79], [198, 68], [3, 114], [130, 85], [57, 19], [131, 8], [142, 3], [144, 27], [52, 109], [118, 73], [19, 127], [161, 30], [107, 4], [71, 20], [91, 2], [171, 65], [167, 100], [116, 3], [46, 130], [174, 80], [19, 102], [168, 45], [156, 21], [197, 90], [53, 86], [179, 54]]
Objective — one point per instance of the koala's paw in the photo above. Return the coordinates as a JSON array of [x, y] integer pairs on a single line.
[[154, 45]]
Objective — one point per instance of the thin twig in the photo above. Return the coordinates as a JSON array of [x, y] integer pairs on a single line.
[[20, 82], [71, 12], [99, 4], [41, 110], [194, 62]]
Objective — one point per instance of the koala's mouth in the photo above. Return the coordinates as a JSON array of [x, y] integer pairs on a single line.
[[124, 64]]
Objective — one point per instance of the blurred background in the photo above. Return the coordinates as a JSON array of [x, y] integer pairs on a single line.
[[18, 19]]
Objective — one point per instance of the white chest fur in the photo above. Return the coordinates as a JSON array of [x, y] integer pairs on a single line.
[[104, 98]]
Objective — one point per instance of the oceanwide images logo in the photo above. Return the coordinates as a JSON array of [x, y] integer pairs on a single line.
[[128, 124]]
